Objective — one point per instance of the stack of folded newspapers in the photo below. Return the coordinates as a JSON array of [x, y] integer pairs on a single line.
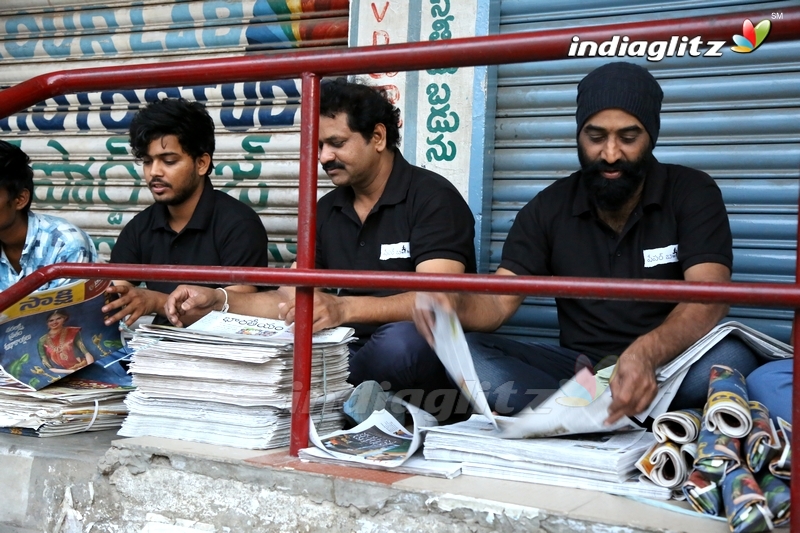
[[58, 363], [227, 379], [605, 462], [90, 399]]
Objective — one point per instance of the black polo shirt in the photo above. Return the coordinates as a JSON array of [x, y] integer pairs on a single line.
[[680, 222], [419, 216], [222, 232]]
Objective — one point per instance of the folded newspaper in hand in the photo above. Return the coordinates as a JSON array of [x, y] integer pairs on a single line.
[[581, 403]]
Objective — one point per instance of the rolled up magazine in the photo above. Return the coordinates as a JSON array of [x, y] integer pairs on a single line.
[[745, 504], [717, 454], [778, 497], [666, 464], [727, 409], [781, 465], [763, 442], [679, 427], [703, 494]]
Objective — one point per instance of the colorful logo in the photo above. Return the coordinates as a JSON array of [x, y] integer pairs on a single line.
[[751, 37]]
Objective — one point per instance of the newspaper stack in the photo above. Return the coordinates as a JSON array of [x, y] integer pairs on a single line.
[[58, 369], [603, 462], [227, 380]]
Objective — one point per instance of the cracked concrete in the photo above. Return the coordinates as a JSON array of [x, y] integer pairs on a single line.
[[93, 484]]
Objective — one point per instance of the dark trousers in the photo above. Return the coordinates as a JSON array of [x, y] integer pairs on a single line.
[[397, 357]]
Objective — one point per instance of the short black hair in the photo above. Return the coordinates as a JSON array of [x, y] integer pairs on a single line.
[[188, 121], [365, 107], [16, 173]]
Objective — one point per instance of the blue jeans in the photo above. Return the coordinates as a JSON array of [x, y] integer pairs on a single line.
[[397, 357], [771, 384], [515, 374]]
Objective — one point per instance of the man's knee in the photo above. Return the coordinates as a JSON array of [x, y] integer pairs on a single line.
[[397, 354]]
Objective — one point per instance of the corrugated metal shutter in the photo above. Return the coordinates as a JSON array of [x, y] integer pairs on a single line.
[[78, 143], [735, 117]]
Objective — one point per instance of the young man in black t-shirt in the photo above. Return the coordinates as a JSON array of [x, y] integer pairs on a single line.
[[190, 223]]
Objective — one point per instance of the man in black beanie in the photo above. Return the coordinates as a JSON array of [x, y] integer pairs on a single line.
[[623, 215]]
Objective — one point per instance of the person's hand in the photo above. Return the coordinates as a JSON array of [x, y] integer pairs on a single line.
[[132, 303], [329, 311], [192, 300], [633, 386], [423, 315]]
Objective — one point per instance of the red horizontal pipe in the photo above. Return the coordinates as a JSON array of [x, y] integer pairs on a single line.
[[491, 50], [762, 294]]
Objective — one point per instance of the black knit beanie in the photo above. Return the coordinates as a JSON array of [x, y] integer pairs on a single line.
[[623, 86]]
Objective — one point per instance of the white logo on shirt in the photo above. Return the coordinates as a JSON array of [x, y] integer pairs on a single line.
[[661, 256], [400, 250]]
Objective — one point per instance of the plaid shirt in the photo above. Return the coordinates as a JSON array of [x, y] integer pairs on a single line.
[[50, 240]]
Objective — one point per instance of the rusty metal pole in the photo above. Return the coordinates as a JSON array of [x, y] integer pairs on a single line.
[[306, 241]]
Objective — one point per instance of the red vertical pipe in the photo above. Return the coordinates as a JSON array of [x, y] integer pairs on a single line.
[[795, 477], [306, 240]]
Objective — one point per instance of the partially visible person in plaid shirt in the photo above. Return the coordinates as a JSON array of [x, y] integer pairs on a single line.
[[31, 240]]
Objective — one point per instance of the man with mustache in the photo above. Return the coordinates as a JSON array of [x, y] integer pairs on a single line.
[[190, 222], [623, 215], [384, 214]]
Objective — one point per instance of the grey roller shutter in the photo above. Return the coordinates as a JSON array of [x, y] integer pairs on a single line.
[[78, 143], [735, 117]]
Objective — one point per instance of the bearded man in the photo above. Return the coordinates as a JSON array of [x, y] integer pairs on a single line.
[[623, 215], [190, 222]]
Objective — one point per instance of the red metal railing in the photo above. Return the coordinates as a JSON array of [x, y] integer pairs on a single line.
[[310, 66]]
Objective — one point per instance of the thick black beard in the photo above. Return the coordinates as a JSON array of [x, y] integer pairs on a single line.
[[611, 195]]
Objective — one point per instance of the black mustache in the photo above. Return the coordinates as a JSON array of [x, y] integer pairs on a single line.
[[332, 165]]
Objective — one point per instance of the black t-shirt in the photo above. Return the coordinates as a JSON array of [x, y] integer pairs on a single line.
[[419, 216], [680, 222], [222, 232]]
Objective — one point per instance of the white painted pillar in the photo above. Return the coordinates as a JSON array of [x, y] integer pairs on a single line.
[[447, 114]]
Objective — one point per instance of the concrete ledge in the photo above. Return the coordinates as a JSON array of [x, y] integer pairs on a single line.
[[92, 483]]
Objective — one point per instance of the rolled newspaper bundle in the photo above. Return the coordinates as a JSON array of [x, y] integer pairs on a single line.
[[727, 409], [679, 427], [664, 464], [703, 494], [717, 454], [778, 497], [745, 505], [763, 441], [781, 464]]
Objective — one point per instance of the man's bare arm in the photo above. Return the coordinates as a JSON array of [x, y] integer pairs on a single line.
[[634, 384], [331, 311], [477, 312], [187, 303]]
